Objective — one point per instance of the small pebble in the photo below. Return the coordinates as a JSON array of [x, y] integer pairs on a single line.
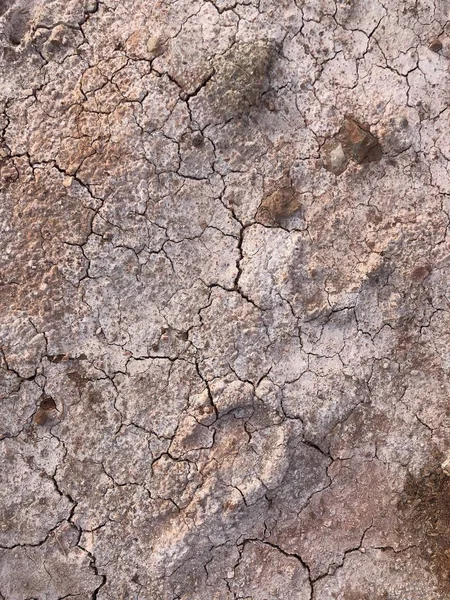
[[435, 46]]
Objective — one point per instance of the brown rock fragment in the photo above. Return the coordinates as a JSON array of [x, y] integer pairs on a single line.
[[155, 46], [358, 143], [46, 411], [278, 206], [142, 46], [435, 46], [334, 159], [353, 142]]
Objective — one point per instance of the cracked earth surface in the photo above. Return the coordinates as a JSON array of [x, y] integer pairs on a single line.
[[225, 317]]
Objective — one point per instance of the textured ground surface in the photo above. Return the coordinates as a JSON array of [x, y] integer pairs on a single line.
[[224, 303]]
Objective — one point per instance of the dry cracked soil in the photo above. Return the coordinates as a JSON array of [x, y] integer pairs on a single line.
[[224, 299]]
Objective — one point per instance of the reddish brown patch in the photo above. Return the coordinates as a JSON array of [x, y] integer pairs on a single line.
[[420, 273], [78, 379]]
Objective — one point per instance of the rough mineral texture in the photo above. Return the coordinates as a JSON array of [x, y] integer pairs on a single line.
[[224, 299]]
